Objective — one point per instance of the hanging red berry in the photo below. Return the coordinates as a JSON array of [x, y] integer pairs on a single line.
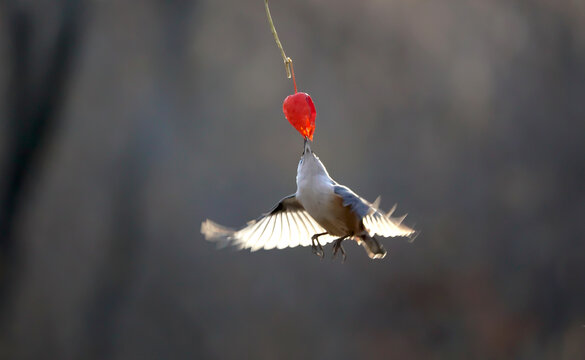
[[299, 110]]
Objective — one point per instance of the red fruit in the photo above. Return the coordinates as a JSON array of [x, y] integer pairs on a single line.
[[300, 112]]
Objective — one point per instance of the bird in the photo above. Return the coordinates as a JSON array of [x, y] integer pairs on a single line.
[[322, 211]]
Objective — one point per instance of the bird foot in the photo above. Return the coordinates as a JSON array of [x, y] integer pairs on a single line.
[[316, 246], [338, 247]]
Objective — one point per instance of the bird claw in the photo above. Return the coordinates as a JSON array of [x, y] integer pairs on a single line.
[[337, 247], [318, 251], [316, 246]]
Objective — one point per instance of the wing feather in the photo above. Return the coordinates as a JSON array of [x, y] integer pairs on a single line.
[[288, 224], [294, 235], [274, 227], [387, 226], [277, 234], [304, 233], [375, 221]]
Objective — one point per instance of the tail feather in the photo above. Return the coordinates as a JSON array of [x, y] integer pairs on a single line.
[[374, 249]]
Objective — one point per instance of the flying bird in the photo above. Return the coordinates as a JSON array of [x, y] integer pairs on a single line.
[[320, 212]]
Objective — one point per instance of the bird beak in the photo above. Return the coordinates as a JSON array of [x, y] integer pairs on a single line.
[[307, 146]]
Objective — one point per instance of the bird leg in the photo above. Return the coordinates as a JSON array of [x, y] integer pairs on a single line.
[[317, 248], [337, 247]]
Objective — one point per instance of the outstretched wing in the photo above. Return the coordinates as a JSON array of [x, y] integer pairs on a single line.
[[288, 224], [375, 221]]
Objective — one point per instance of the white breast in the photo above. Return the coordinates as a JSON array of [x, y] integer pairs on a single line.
[[315, 190], [316, 195]]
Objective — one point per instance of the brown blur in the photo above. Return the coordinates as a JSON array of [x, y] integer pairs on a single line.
[[125, 124]]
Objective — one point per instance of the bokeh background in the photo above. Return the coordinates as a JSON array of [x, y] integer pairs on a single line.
[[123, 125]]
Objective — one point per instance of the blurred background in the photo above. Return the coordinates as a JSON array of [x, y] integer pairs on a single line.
[[124, 125]]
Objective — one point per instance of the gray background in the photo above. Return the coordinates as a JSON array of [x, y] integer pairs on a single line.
[[468, 114]]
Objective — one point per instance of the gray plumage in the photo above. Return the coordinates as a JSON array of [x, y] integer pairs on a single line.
[[356, 203]]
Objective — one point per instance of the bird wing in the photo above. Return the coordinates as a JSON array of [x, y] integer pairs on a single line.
[[375, 220], [288, 224]]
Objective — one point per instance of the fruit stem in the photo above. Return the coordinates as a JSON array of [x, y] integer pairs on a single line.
[[287, 60], [292, 70]]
